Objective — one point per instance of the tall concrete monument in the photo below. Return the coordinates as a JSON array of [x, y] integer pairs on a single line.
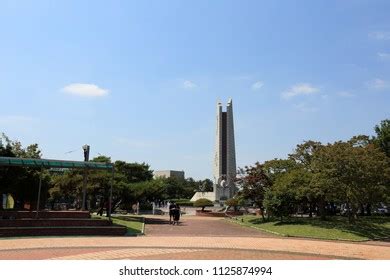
[[224, 172], [225, 154]]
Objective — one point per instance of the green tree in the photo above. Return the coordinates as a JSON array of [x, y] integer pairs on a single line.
[[354, 174], [205, 185], [303, 156], [129, 184], [22, 182], [254, 183], [232, 202], [288, 193], [203, 202], [277, 167], [383, 136], [66, 187], [134, 172], [235, 202], [132, 183], [178, 188], [31, 151]]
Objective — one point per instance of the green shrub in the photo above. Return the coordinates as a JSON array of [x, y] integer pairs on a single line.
[[232, 202], [203, 202], [183, 202]]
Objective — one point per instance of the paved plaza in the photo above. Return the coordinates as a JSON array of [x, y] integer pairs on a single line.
[[199, 226], [194, 238]]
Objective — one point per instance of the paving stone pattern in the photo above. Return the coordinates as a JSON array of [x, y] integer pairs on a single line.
[[194, 238]]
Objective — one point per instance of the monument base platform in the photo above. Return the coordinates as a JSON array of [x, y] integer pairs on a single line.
[[207, 195], [208, 213]]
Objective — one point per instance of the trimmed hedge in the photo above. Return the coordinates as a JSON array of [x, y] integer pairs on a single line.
[[183, 202], [203, 202]]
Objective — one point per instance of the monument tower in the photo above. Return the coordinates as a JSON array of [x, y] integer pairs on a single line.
[[225, 154], [224, 172]]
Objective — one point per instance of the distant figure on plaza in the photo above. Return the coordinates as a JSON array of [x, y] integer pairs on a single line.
[[102, 206], [176, 214], [135, 208], [171, 206]]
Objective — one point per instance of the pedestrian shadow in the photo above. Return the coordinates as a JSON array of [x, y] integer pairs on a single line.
[[156, 221], [159, 221]]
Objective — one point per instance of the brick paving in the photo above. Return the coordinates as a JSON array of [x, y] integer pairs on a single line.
[[131, 253], [195, 238], [198, 226], [47, 253], [235, 255]]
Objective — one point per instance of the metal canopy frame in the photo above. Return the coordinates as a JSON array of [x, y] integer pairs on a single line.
[[53, 163]]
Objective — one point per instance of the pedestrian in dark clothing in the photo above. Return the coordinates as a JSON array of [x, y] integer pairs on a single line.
[[102, 204], [172, 206], [176, 215]]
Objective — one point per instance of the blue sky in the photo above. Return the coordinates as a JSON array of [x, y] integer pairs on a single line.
[[139, 80]]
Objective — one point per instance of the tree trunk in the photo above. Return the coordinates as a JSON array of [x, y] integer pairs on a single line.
[[368, 209], [321, 206], [351, 210], [311, 210], [361, 209], [354, 213], [348, 212], [333, 209], [262, 214]]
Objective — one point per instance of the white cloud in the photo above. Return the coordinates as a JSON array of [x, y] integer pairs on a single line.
[[189, 84], [303, 107], [299, 89], [346, 94], [383, 55], [378, 84], [257, 85], [85, 90], [380, 35]]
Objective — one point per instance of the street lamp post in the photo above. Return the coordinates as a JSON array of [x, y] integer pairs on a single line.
[[86, 149]]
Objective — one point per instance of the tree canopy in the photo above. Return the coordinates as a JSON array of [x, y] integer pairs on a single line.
[[203, 203], [349, 176], [21, 182], [133, 182]]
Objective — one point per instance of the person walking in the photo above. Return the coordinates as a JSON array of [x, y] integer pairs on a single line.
[[172, 207], [176, 215], [100, 211]]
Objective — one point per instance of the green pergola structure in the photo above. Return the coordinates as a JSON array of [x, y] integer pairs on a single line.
[[57, 164]]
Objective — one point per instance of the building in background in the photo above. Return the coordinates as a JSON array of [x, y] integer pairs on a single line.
[[224, 172], [169, 174]]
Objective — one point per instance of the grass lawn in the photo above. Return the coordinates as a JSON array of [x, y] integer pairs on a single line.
[[134, 224], [365, 228]]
